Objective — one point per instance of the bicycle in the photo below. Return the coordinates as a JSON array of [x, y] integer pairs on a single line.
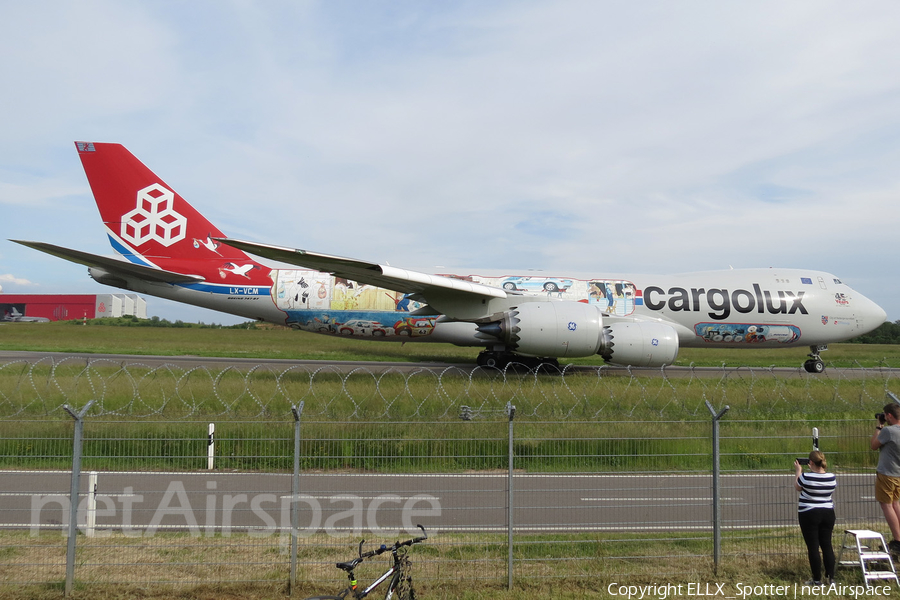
[[398, 573]]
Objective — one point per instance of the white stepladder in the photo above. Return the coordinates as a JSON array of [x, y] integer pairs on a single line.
[[872, 555]]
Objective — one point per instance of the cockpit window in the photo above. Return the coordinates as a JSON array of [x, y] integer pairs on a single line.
[[838, 281]]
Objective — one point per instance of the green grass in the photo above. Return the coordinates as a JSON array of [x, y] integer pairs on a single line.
[[240, 343], [396, 422], [300, 345], [431, 446], [473, 566]]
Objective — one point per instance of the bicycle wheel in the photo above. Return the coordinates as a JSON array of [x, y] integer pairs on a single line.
[[405, 590], [404, 586]]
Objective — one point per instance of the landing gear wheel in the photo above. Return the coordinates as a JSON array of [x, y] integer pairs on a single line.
[[549, 365], [814, 366], [492, 360]]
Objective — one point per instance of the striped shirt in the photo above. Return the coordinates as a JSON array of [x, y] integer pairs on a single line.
[[816, 490]]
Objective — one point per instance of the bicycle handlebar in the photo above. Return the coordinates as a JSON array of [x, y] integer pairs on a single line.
[[350, 565], [417, 539]]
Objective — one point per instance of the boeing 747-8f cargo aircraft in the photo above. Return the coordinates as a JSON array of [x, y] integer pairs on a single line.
[[174, 252]]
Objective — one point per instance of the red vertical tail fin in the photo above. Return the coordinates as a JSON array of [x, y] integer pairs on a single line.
[[150, 224]]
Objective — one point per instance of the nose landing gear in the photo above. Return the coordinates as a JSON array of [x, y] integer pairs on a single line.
[[814, 364]]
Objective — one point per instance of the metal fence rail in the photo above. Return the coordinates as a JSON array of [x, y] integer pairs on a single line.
[[592, 479]]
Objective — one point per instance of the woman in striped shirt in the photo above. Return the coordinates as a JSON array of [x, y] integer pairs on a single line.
[[816, 514]]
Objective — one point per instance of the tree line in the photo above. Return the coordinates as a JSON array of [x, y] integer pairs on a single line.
[[888, 333], [132, 321]]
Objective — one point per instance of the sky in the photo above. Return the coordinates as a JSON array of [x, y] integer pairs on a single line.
[[592, 137]]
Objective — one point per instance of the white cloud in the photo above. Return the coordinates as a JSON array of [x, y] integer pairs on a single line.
[[648, 136], [36, 193], [7, 278], [68, 66]]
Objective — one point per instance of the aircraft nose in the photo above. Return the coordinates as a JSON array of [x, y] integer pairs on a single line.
[[871, 315]]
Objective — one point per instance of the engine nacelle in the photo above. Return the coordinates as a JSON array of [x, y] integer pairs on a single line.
[[639, 344], [575, 329], [558, 329], [101, 276]]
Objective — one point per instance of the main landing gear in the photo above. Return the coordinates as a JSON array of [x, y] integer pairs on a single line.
[[815, 364], [499, 360]]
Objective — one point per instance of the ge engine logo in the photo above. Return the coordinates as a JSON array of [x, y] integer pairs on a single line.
[[154, 218]]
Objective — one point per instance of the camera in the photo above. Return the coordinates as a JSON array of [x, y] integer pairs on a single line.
[[880, 417], [803, 461]]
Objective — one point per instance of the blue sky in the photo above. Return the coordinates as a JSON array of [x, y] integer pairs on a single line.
[[593, 137]]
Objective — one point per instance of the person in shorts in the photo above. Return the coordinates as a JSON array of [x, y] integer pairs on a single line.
[[886, 439]]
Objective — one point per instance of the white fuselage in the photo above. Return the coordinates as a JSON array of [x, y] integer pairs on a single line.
[[734, 308]]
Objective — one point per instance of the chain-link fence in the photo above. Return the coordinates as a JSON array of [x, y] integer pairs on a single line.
[[243, 478]]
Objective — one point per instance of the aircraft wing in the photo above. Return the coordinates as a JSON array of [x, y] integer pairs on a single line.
[[112, 266], [385, 276]]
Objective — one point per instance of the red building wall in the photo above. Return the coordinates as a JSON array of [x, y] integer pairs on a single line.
[[56, 307]]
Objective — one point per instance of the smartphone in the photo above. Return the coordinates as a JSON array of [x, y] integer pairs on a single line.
[[803, 461]]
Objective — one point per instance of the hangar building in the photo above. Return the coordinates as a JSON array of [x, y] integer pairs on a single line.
[[66, 307]]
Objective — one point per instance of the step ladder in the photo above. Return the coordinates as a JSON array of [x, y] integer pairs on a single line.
[[872, 555]]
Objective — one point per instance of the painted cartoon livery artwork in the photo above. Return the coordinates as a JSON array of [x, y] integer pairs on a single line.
[[550, 285], [744, 333], [171, 251]]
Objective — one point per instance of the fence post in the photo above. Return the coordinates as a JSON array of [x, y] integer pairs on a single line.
[[295, 493], [91, 516], [73, 492], [511, 413], [211, 447], [717, 526]]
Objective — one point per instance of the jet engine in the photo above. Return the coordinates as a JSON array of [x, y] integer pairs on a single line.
[[639, 344], [575, 329], [104, 277], [555, 329]]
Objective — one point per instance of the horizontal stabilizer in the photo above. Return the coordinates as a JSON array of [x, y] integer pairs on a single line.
[[112, 266], [385, 276]]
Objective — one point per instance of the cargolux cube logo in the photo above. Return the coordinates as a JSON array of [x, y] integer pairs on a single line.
[[154, 218]]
